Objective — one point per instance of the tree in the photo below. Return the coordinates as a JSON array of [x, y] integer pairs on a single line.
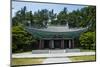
[[41, 18], [21, 39], [62, 17], [84, 17], [20, 17], [87, 40], [52, 18], [74, 18]]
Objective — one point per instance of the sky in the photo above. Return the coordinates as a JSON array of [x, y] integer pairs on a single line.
[[33, 6]]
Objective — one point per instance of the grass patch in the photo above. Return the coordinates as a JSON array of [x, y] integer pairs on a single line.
[[26, 61], [82, 58], [86, 50], [23, 52]]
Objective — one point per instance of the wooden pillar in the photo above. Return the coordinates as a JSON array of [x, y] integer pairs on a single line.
[[52, 43], [73, 43], [69, 43], [41, 44], [62, 44]]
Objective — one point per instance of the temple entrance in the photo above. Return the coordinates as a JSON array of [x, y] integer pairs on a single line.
[[46, 43], [57, 43], [53, 44], [66, 43]]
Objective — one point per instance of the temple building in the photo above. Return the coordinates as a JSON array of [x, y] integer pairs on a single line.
[[56, 37]]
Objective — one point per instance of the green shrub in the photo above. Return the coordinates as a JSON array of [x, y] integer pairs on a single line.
[[87, 40]]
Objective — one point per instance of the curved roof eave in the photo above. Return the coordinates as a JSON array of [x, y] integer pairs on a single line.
[[48, 34], [60, 31]]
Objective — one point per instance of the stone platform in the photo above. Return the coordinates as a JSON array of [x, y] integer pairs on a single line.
[[49, 51]]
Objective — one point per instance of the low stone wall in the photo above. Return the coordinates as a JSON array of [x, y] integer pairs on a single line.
[[72, 50], [54, 51], [40, 51]]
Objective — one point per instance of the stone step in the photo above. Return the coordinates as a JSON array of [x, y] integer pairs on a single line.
[[57, 51]]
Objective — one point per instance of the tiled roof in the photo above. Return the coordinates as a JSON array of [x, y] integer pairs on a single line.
[[56, 32], [59, 29]]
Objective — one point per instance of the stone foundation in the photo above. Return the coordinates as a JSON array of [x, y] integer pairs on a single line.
[[54, 51]]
